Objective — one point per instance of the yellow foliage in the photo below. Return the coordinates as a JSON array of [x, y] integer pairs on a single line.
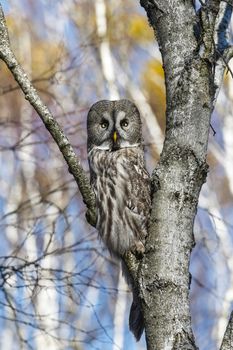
[[45, 56], [139, 30], [227, 77], [153, 82], [42, 55]]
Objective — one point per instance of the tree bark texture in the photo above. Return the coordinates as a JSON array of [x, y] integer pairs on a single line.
[[227, 343], [188, 55]]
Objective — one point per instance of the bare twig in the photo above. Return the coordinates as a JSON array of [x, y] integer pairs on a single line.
[[75, 168]]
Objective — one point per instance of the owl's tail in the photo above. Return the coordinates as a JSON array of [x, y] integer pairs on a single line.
[[136, 320]]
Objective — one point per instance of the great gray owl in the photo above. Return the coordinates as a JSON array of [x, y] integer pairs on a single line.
[[121, 183]]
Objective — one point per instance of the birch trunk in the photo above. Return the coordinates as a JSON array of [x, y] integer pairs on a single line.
[[188, 60]]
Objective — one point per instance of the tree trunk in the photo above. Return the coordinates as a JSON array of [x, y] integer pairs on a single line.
[[188, 59]]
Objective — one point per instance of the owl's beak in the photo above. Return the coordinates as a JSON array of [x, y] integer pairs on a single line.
[[115, 136]]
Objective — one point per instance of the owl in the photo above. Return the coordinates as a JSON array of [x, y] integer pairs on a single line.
[[121, 183]]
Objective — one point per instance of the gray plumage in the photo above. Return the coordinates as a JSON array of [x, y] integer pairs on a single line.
[[121, 183]]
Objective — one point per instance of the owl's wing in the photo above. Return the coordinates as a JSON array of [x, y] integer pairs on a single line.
[[139, 190], [138, 199], [92, 178]]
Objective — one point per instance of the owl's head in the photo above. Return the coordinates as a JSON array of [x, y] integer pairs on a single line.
[[112, 125]]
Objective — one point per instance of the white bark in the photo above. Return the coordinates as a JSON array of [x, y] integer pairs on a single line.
[[105, 51]]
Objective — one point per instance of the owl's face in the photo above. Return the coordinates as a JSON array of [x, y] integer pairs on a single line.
[[112, 125]]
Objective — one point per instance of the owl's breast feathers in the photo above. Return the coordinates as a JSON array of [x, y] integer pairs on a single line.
[[122, 187]]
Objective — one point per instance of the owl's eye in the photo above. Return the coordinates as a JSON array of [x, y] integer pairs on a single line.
[[104, 124], [124, 123]]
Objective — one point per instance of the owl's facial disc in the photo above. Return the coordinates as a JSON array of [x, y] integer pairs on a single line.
[[112, 125]]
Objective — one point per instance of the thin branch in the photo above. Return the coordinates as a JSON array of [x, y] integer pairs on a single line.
[[221, 29], [75, 168], [223, 50]]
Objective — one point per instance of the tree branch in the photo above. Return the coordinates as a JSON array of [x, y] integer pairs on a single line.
[[223, 50], [215, 18], [227, 343], [75, 168]]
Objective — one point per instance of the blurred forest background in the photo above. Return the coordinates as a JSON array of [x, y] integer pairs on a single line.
[[59, 288]]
